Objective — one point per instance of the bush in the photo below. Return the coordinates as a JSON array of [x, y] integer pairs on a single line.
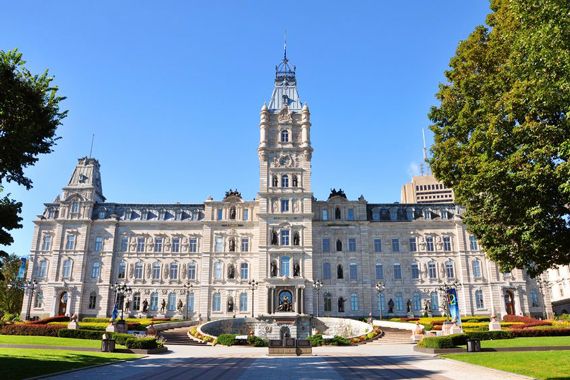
[[141, 343], [30, 329], [519, 318], [80, 334], [539, 332], [340, 341], [9, 317], [122, 338], [256, 341], [316, 340], [563, 317], [45, 321], [448, 341], [490, 335], [227, 339]]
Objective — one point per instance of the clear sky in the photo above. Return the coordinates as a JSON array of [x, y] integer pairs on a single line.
[[172, 90]]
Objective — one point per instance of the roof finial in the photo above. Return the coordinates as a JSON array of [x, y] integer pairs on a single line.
[[285, 48]]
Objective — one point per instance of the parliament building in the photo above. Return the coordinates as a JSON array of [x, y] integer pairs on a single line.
[[200, 260]]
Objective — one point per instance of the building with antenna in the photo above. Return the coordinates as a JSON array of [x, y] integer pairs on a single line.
[[232, 257]]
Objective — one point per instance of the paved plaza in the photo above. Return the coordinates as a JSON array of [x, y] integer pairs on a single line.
[[371, 361]]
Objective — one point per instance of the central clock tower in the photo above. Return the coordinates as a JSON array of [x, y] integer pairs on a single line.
[[285, 199]]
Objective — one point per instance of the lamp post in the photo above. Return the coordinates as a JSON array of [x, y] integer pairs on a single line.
[[253, 285], [30, 286], [380, 287], [318, 285], [123, 291], [188, 286]]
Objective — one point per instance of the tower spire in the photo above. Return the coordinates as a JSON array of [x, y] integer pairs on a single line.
[[285, 48]]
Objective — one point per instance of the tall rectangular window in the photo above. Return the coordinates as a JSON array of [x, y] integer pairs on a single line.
[[194, 245], [397, 272], [175, 244], [219, 244], [190, 302], [432, 270], [74, 207], [284, 266], [245, 244], [476, 268], [140, 244], [139, 270], [353, 271], [379, 272], [158, 244], [243, 301], [352, 245], [220, 214], [284, 237], [447, 243], [429, 243], [46, 243], [395, 245], [350, 214], [244, 271], [124, 243], [98, 244], [173, 271], [70, 242], [415, 271], [326, 271], [354, 302], [473, 243], [326, 245], [245, 214], [325, 214], [413, 245], [284, 205], [192, 271], [377, 245], [479, 303]]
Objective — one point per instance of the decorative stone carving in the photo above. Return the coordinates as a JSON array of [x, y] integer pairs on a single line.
[[285, 116]]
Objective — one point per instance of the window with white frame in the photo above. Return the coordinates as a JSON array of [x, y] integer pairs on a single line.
[[216, 302], [285, 136], [174, 271], [429, 244], [92, 300], [244, 271], [190, 302], [397, 271], [449, 269], [122, 273], [175, 244], [399, 304], [351, 245], [245, 214], [473, 245], [140, 244], [350, 214], [171, 304], [284, 180], [377, 245], [432, 269], [413, 245], [434, 301], [325, 214], [139, 270], [218, 270], [98, 244], [284, 237], [243, 301], [158, 244], [46, 242], [476, 264], [192, 271], [379, 271], [415, 271], [244, 244], [156, 270], [447, 243], [479, 302], [326, 271], [124, 244], [67, 264], [417, 301], [39, 300], [70, 242], [354, 302], [74, 207], [284, 205], [42, 271], [353, 269], [154, 301], [219, 243], [136, 301], [95, 270], [194, 245]]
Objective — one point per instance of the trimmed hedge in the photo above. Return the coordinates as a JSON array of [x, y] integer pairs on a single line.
[[30, 329], [122, 338], [448, 341], [339, 341], [227, 339], [539, 332], [80, 334], [256, 341], [490, 335], [141, 343], [45, 321]]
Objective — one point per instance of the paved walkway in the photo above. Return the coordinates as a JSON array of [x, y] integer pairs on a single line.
[[249, 363]]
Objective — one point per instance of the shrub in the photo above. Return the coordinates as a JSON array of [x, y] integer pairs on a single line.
[[227, 339], [122, 338], [519, 318], [30, 329], [259, 342], [141, 343], [490, 335], [539, 332], [448, 341], [340, 341], [80, 334], [530, 324], [316, 340], [564, 317], [9, 317], [371, 335], [45, 321]]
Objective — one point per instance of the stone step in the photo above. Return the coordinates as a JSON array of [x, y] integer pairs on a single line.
[[179, 336]]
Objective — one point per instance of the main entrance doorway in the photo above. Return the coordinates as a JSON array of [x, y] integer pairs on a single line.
[[510, 302], [62, 308]]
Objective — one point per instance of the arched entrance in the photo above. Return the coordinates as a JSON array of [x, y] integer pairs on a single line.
[[62, 308], [510, 302]]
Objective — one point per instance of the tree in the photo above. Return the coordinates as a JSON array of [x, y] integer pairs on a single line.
[[502, 134], [29, 117], [11, 287]]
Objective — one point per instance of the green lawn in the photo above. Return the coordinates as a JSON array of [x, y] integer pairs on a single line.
[[50, 341], [539, 364], [527, 342], [22, 363]]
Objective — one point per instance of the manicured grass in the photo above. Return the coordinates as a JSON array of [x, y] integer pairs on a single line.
[[527, 342], [49, 341], [22, 363], [538, 364]]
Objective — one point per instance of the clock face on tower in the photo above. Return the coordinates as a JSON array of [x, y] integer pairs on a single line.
[[285, 160]]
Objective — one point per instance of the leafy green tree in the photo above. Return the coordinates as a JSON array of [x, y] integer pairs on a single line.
[[502, 134], [11, 287], [29, 117]]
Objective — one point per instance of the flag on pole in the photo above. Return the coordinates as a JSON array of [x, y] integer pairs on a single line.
[[115, 313]]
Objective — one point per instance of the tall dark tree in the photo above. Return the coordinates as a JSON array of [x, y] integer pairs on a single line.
[[502, 134], [29, 117]]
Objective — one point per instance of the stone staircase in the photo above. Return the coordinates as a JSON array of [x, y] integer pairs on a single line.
[[179, 336], [394, 336]]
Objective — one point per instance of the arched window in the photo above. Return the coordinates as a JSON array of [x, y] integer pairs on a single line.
[[274, 181], [284, 180], [434, 301], [190, 302], [326, 271], [42, 272], [284, 135], [449, 271], [243, 301], [171, 305], [328, 302], [39, 301], [67, 265], [156, 271], [295, 181], [337, 213], [139, 270], [154, 301], [339, 245], [339, 272], [122, 273], [244, 271], [173, 271], [432, 270], [354, 302], [74, 207], [284, 266], [284, 237], [92, 300], [231, 271], [479, 303], [192, 271], [476, 268], [216, 302], [217, 270], [95, 270]]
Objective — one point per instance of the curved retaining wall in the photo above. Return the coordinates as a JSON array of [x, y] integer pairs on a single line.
[[344, 327]]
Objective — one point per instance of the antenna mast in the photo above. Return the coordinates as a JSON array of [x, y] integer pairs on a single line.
[[91, 149]]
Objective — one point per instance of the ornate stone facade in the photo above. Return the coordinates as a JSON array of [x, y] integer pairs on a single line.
[[206, 255]]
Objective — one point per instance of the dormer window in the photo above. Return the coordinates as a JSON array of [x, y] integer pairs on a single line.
[[285, 180], [74, 207], [284, 136]]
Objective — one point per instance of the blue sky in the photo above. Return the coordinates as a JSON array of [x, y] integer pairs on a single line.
[[172, 90]]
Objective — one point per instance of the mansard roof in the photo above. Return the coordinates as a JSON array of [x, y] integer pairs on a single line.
[[150, 211]]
